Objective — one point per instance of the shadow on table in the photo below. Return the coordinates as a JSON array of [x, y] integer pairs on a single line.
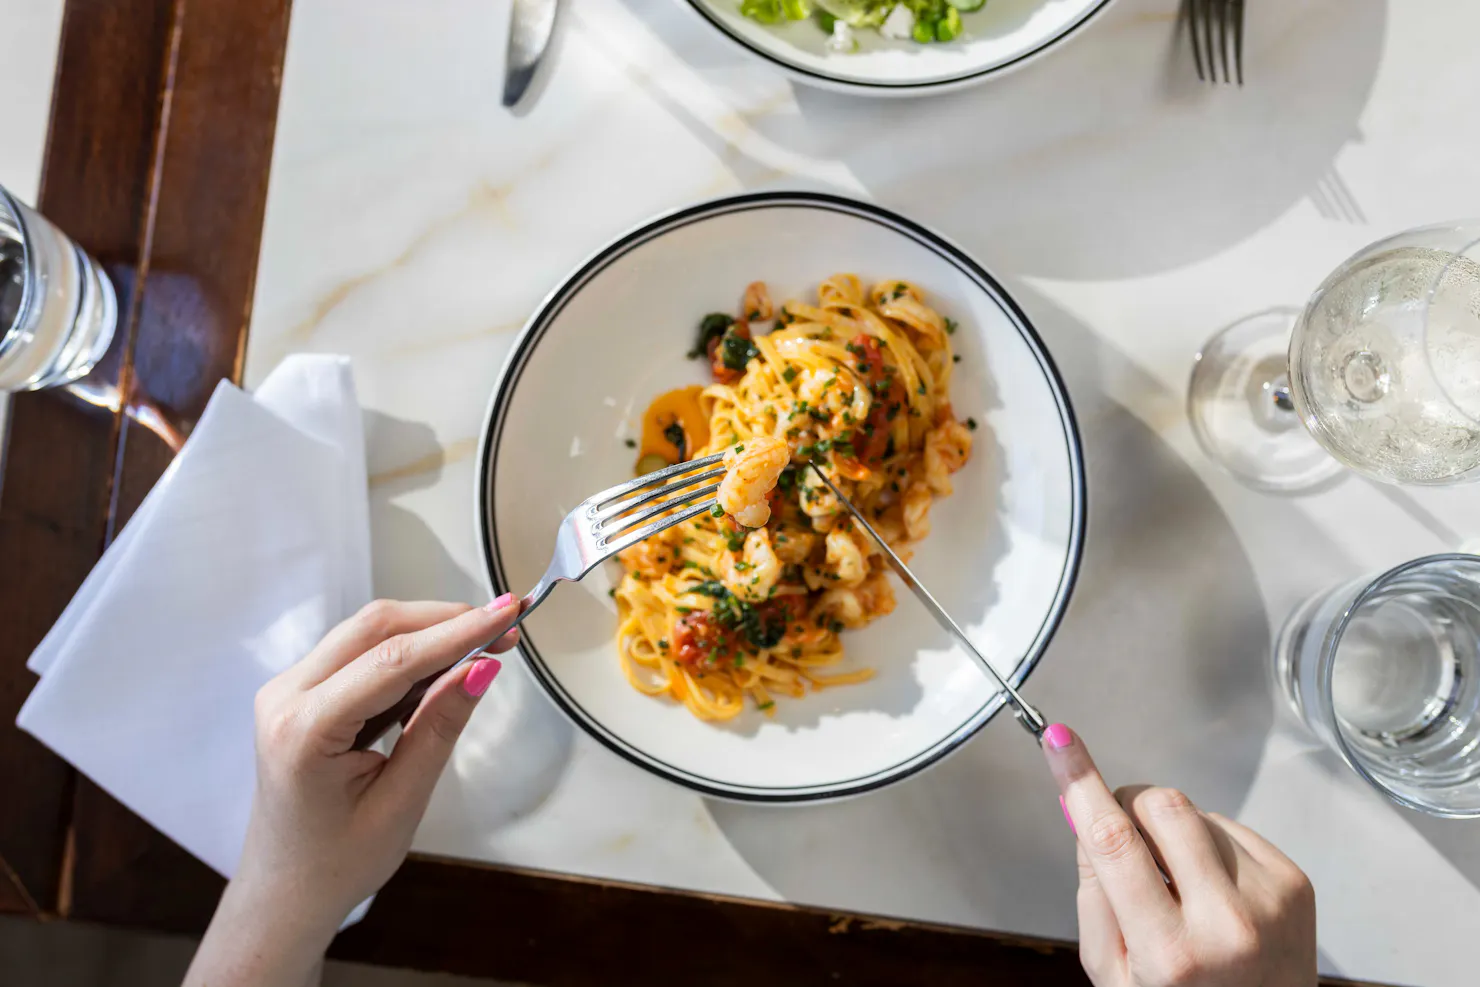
[[510, 758], [514, 751], [409, 560], [1160, 661], [1113, 159], [1456, 840]]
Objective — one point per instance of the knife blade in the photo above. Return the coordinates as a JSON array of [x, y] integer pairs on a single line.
[[1030, 718], [531, 25]]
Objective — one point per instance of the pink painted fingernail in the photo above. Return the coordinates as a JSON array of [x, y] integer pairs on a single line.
[[1058, 737], [481, 676], [1067, 818], [500, 603]]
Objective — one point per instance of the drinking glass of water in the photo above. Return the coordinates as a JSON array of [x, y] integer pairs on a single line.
[[57, 307], [1386, 671], [1379, 373]]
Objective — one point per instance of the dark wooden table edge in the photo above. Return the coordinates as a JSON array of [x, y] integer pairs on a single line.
[[157, 162]]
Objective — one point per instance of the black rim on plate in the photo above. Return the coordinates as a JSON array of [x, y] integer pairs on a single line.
[[700, 8], [546, 315]]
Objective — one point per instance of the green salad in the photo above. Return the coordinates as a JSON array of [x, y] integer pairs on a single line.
[[924, 21]]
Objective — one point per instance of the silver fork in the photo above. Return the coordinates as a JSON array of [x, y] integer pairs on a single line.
[[598, 528], [1225, 19]]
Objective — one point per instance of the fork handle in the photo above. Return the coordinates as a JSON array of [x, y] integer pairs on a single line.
[[377, 725]]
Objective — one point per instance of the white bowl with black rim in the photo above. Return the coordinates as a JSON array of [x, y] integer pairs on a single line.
[[997, 37], [1002, 557]]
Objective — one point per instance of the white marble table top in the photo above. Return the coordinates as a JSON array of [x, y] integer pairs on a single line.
[[29, 31], [414, 224]]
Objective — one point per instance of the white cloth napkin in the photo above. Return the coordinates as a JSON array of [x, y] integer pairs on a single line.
[[252, 545]]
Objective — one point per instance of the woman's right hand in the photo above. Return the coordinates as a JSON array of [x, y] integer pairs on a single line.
[[1231, 910]]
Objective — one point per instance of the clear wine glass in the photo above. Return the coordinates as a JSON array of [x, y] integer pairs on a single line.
[[1380, 373]]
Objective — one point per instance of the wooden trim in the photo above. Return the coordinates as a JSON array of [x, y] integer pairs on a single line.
[[59, 456], [213, 149], [538, 929], [14, 898], [561, 931]]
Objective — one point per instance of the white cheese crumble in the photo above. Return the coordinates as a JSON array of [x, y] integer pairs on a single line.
[[900, 24], [842, 37]]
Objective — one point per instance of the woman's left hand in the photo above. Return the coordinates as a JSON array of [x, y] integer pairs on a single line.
[[330, 824]]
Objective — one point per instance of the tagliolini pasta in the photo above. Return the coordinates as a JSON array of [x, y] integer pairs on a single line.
[[750, 601]]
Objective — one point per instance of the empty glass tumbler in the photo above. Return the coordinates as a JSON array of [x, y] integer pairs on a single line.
[[57, 307], [1387, 671]]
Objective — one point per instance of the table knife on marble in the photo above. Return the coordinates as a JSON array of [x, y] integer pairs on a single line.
[[531, 25]]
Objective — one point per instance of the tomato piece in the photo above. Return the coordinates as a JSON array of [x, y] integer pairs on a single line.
[[871, 442], [696, 637], [868, 359]]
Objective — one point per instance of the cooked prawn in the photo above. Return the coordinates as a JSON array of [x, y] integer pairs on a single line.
[[754, 572], [844, 558], [947, 447], [793, 544], [856, 606], [756, 305], [818, 502], [915, 509], [652, 556], [831, 394], [751, 471]]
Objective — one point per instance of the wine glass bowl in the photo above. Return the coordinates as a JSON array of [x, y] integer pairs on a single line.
[[1382, 371], [1365, 362]]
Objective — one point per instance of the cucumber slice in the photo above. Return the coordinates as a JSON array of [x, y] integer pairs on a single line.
[[966, 6]]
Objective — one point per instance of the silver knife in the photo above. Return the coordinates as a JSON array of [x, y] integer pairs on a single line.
[[1030, 718], [531, 24]]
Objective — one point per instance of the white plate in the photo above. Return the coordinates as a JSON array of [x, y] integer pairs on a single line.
[[1000, 36], [1002, 556]]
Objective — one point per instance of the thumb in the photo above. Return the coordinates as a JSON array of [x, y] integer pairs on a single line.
[[425, 745]]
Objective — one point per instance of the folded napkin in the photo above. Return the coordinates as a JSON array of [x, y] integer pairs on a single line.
[[252, 545]]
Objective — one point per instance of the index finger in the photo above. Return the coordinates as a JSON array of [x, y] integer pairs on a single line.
[[374, 623], [1122, 862], [379, 678]]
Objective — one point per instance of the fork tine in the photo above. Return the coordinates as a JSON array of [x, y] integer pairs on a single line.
[[615, 526], [687, 480], [1208, 17], [1238, 39], [622, 489], [631, 538], [1225, 12], [1190, 7]]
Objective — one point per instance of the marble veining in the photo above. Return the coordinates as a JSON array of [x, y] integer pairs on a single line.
[[415, 225]]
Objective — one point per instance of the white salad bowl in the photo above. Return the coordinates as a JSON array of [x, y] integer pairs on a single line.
[[997, 37], [1002, 556]]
